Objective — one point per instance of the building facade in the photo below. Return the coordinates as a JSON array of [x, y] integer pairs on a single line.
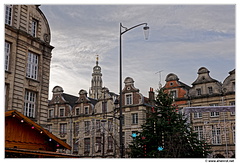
[[210, 107], [177, 89], [27, 61], [91, 124], [216, 125], [135, 108], [205, 91]]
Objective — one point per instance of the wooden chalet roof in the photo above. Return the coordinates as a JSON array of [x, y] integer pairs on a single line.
[[37, 127]]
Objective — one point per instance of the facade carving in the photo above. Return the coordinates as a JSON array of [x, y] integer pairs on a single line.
[[27, 61]]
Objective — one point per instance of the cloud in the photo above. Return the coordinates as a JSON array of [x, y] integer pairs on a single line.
[[182, 39]]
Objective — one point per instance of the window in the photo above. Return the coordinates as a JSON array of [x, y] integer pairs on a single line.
[[110, 143], [214, 114], [197, 115], [135, 118], [98, 127], [123, 119], [77, 112], [50, 113], [76, 128], [30, 104], [216, 135], [98, 144], [49, 128], [213, 104], [233, 132], [129, 99], [6, 96], [232, 113], [75, 146], [233, 86], [199, 131], [232, 103], [87, 145], [87, 127], [110, 124], [123, 138], [210, 90], [34, 27], [32, 65], [63, 128], [86, 110], [173, 94], [8, 14], [7, 55], [61, 112], [199, 92], [104, 107]]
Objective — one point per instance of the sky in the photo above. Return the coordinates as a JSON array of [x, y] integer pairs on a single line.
[[182, 39]]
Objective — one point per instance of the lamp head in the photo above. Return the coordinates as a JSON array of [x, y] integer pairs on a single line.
[[146, 32]]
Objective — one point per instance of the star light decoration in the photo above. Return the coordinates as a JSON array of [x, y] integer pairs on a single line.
[[160, 148], [134, 135]]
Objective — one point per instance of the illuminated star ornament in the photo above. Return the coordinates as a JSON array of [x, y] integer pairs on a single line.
[[160, 148], [134, 135]]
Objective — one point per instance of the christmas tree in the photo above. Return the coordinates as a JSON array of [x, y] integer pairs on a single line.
[[166, 134]]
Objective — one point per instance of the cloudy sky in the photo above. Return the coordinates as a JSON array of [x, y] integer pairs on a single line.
[[182, 39]]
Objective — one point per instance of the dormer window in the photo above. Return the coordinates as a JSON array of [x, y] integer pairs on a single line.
[[61, 112], [173, 94], [210, 90], [86, 110], [77, 111], [199, 92], [128, 99]]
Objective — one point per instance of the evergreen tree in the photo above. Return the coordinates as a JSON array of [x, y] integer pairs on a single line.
[[166, 134]]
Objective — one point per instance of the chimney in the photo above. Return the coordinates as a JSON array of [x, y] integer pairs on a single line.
[[151, 96]]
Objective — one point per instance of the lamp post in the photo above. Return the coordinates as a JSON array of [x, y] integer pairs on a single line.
[[146, 32]]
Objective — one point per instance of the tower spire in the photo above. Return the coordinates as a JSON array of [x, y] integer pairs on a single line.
[[96, 83], [97, 59]]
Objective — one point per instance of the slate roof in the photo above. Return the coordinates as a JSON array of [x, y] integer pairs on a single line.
[[72, 99]]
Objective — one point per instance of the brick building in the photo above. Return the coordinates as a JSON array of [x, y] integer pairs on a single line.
[[205, 91]]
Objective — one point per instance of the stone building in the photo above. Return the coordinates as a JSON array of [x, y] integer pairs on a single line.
[[210, 107], [27, 61], [135, 108], [205, 91], [216, 125], [91, 125], [85, 123]]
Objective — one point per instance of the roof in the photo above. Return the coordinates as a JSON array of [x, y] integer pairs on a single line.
[[40, 153], [37, 127], [70, 98]]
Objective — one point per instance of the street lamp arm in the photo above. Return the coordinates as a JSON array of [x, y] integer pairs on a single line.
[[128, 29]]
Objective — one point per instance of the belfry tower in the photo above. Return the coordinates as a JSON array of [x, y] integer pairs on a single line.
[[96, 83]]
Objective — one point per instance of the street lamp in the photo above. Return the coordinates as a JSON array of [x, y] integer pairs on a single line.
[[146, 33]]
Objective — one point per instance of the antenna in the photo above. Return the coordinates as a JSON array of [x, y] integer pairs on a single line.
[[160, 78]]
